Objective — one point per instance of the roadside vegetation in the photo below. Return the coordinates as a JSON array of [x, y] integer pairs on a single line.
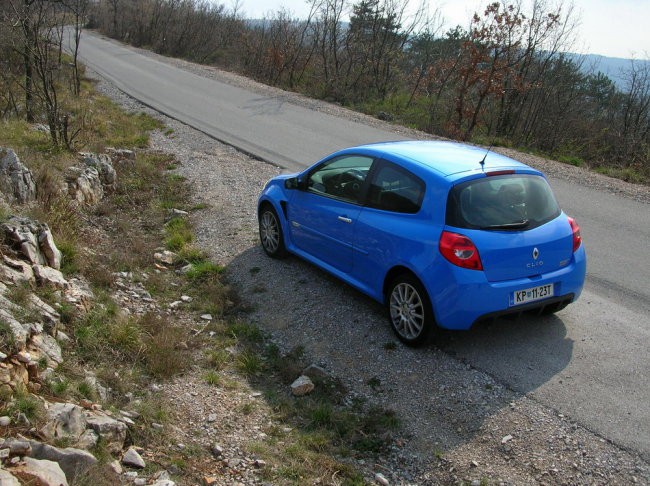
[[504, 79], [127, 352]]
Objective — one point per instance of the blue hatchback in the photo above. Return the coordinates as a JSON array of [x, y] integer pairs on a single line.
[[442, 233]]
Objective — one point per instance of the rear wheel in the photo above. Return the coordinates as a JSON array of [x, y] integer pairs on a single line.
[[271, 233], [409, 310]]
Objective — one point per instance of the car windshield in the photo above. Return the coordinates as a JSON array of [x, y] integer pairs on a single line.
[[506, 202]]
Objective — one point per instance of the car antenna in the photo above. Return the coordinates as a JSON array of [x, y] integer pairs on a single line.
[[482, 162]]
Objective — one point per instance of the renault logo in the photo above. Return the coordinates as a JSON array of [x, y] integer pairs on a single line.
[[535, 254]]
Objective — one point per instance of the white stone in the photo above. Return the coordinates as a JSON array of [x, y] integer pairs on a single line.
[[133, 459], [506, 439], [206, 317], [4, 421], [381, 479], [302, 386]]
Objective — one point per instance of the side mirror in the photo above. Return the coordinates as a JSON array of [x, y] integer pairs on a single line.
[[291, 183]]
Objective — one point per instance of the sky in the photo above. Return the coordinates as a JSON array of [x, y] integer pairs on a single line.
[[614, 28]]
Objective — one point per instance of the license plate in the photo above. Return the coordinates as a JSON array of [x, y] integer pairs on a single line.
[[532, 294]]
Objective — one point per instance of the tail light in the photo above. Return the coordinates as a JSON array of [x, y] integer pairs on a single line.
[[577, 239], [460, 251]]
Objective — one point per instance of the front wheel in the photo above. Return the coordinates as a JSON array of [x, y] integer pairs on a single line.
[[409, 310], [271, 233]]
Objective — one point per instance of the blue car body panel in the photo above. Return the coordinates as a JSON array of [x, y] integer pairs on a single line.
[[362, 244]]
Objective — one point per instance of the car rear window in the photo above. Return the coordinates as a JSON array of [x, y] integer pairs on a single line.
[[506, 202]]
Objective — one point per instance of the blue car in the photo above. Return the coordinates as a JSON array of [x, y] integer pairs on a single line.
[[444, 234]]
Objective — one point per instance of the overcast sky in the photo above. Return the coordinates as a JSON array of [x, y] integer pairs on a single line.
[[616, 28]]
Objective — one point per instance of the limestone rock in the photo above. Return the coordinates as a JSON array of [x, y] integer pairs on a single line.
[[17, 447], [39, 472], [22, 235], [88, 440], [111, 431], [8, 479], [79, 294], [16, 180], [65, 420], [302, 386], [48, 248], [102, 163], [50, 276], [33, 240], [16, 338], [314, 372], [120, 154], [15, 271], [84, 185], [72, 461], [133, 459], [49, 348], [166, 257]]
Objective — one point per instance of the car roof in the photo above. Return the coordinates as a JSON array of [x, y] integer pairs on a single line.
[[450, 159]]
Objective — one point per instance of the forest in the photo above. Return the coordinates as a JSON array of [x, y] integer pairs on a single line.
[[503, 80]]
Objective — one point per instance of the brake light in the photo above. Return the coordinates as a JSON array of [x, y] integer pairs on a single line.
[[499, 172], [460, 251], [577, 239]]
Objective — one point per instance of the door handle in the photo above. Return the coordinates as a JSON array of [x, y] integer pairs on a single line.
[[345, 219]]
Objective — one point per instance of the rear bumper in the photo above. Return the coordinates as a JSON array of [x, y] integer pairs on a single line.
[[462, 297]]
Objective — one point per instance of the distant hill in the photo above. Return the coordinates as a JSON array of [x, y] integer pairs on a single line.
[[612, 67]]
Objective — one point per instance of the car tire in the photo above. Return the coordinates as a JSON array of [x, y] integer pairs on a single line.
[[271, 235], [409, 310]]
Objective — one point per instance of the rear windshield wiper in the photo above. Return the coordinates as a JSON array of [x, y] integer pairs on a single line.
[[506, 226]]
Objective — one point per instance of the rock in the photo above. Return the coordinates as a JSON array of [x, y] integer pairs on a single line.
[[164, 482], [84, 185], [5, 421], [209, 481], [72, 461], [117, 154], [88, 440], [116, 467], [24, 357], [166, 257], [16, 271], [49, 348], [111, 431], [8, 479], [22, 235], [217, 450], [49, 249], [102, 163], [381, 479], [506, 439], [259, 463], [186, 298], [16, 180], [316, 372], [178, 212], [48, 276], [17, 447], [65, 420], [133, 459], [206, 317], [39, 472], [212, 417], [16, 340], [80, 294], [50, 317], [302, 386], [140, 482]]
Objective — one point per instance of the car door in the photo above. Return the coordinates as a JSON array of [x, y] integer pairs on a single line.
[[323, 212]]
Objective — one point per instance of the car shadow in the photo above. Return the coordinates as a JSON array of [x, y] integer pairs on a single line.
[[525, 352], [348, 334]]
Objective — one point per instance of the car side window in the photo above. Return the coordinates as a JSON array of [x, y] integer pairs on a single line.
[[395, 189], [341, 178]]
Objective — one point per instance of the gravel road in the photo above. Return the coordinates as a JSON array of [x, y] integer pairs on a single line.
[[459, 424]]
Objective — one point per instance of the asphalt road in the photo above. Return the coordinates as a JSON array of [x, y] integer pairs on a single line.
[[591, 362]]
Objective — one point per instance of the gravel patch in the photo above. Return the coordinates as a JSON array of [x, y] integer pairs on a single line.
[[458, 423]]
